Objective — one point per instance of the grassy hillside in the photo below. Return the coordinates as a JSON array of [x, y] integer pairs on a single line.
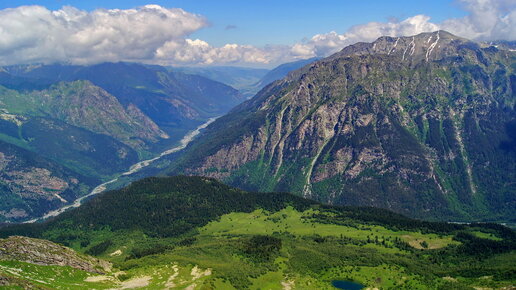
[[95, 121], [172, 100], [196, 232]]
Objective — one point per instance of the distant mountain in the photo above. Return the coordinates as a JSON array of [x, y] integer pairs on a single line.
[[282, 71], [30, 185], [240, 78], [195, 232], [502, 44], [172, 100], [59, 142], [82, 104], [247, 80], [92, 122], [422, 125], [47, 163]]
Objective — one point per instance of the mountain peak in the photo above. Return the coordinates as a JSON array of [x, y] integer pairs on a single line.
[[384, 124], [425, 46]]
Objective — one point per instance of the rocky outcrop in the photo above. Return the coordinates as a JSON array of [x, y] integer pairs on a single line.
[[31, 185], [408, 123], [44, 252]]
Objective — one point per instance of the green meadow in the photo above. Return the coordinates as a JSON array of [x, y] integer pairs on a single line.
[[175, 233]]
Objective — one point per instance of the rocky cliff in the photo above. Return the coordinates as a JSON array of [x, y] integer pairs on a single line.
[[43, 252], [30, 185], [423, 125]]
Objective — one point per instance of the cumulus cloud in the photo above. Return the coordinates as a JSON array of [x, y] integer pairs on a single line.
[[325, 44], [155, 34], [486, 20], [36, 34], [197, 51]]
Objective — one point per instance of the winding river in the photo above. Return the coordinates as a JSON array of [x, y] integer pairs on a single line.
[[133, 169]]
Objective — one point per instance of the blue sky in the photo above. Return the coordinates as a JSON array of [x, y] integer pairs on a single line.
[[259, 33], [261, 22]]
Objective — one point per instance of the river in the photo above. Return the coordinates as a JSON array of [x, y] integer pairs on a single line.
[[133, 169]]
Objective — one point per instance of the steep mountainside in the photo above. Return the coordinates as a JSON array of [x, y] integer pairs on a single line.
[[77, 124], [95, 121], [31, 185], [196, 233], [422, 125], [173, 100], [48, 162], [84, 105]]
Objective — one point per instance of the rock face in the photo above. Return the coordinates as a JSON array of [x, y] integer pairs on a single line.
[[43, 252], [423, 125], [31, 185]]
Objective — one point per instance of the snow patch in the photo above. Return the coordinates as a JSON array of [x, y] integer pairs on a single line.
[[431, 47], [394, 46], [413, 44]]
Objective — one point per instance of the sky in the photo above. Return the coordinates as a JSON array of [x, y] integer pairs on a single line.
[[259, 33]]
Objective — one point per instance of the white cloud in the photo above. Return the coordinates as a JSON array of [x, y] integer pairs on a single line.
[[200, 52], [487, 20], [325, 44], [155, 34], [36, 34]]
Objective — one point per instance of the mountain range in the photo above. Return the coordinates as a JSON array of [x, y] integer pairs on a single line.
[[65, 129], [171, 99], [247, 80], [241, 78], [282, 71], [422, 125]]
